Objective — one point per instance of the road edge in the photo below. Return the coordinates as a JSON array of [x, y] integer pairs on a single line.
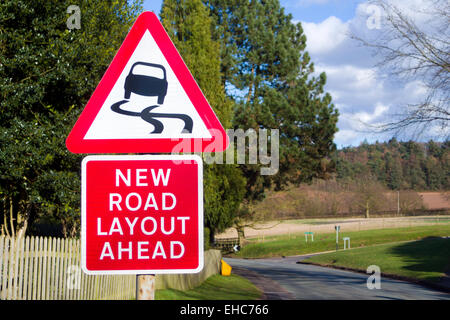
[[423, 283], [271, 290]]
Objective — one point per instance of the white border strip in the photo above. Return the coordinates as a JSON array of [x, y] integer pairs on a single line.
[[174, 158]]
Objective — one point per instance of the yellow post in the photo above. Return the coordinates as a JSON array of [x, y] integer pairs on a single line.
[[226, 268]]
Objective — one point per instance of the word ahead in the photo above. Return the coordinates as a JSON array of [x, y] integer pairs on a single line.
[[142, 214]]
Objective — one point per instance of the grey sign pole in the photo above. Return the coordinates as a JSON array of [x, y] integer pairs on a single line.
[[337, 236], [145, 286]]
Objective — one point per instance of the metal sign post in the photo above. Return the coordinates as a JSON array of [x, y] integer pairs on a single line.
[[145, 286], [337, 228]]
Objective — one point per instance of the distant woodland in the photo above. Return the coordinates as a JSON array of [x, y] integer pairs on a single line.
[[397, 165], [371, 179]]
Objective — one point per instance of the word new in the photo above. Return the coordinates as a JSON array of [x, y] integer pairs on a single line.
[[134, 201]]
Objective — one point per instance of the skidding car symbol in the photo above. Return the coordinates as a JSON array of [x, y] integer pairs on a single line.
[[146, 85]]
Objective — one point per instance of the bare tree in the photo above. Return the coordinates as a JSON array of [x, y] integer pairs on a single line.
[[247, 217], [369, 195], [409, 201], [415, 50]]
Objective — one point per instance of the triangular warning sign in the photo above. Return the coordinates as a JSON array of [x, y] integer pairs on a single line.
[[147, 102]]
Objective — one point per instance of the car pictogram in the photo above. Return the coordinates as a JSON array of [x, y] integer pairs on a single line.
[[146, 85]]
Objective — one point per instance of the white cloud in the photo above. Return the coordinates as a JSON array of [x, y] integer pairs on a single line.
[[352, 86], [353, 126], [325, 36], [362, 93], [346, 137], [370, 118], [350, 77]]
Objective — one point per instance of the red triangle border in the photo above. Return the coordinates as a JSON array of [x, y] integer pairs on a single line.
[[76, 143]]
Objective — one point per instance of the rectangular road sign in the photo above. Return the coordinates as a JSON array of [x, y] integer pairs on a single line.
[[142, 214]]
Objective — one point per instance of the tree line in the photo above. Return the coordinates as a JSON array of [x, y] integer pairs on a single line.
[[397, 165], [248, 57]]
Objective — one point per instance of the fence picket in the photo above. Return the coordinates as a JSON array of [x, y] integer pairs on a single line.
[[84, 286], [74, 276], [64, 269], [108, 288], [5, 268], [35, 268], [26, 258], [99, 291], [31, 269], [40, 260], [11, 269], [71, 254], [2, 243], [49, 267], [57, 264], [91, 293], [52, 277], [61, 270], [20, 257], [90, 280], [44, 270], [80, 290], [67, 269]]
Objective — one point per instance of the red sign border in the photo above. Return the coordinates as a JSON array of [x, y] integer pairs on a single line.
[[147, 20], [194, 158]]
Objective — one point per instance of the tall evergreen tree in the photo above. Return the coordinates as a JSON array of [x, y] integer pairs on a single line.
[[270, 75], [189, 26], [393, 172]]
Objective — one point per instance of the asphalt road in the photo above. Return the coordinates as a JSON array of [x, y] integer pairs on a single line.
[[288, 280]]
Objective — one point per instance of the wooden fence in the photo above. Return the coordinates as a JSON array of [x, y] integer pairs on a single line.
[[37, 268], [226, 244]]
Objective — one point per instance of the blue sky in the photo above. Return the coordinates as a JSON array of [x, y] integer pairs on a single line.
[[319, 10], [153, 5], [363, 93], [304, 10]]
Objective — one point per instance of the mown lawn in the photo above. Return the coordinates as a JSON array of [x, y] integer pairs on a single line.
[[426, 260], [296, 245], [216, 287]]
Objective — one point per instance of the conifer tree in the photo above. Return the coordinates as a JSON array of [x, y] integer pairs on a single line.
[[270, 75], [189, 26]]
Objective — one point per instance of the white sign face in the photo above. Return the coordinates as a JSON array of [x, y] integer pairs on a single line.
[[147, 65]]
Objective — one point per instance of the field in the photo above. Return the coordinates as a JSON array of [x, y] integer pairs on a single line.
[[425, 260], [325, 199], [298, 226], [435, 200], [295, 244]]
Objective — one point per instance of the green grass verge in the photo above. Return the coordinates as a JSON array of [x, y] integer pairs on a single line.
[[425, 260], [216, 287], [296, 245]]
